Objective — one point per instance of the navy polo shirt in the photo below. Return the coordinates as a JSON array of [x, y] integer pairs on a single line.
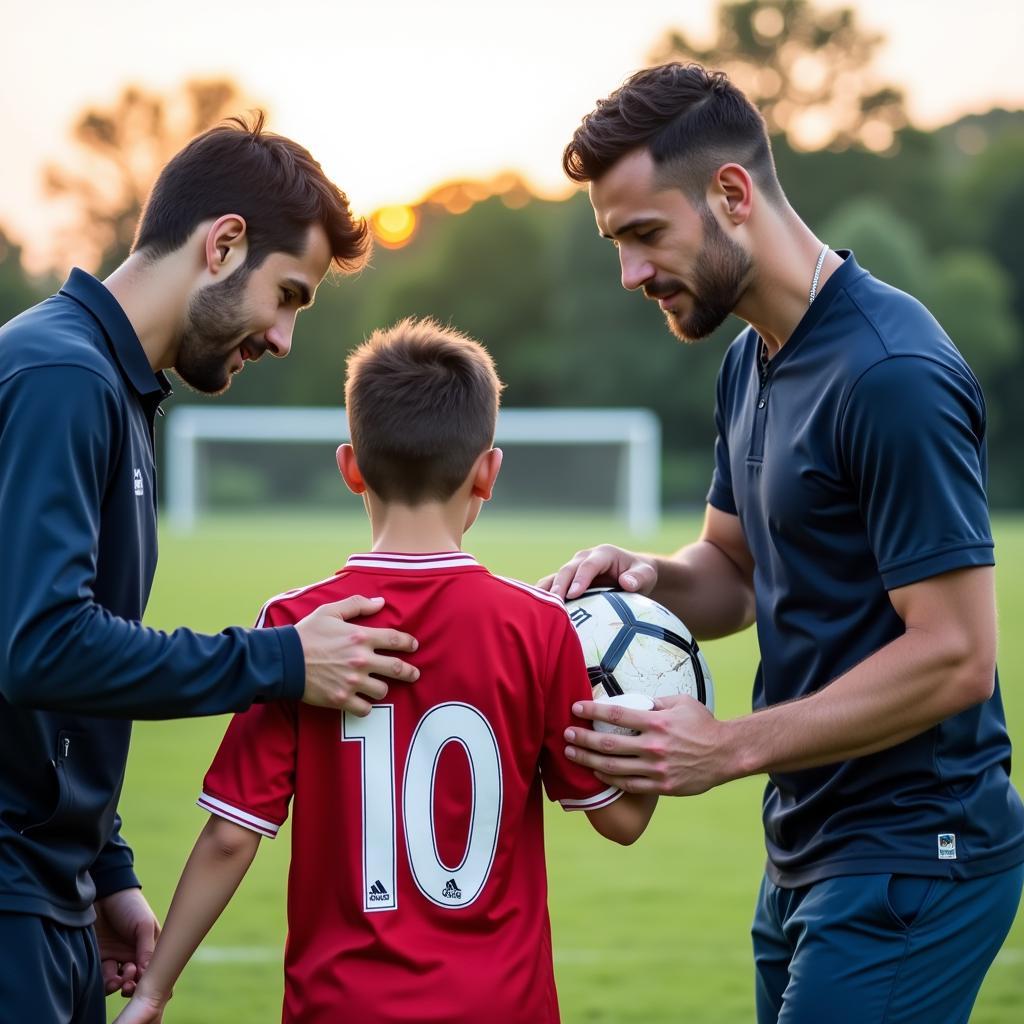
[[78, 522], [856, 461]]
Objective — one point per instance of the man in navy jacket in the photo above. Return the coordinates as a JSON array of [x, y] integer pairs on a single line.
[[239, 231]]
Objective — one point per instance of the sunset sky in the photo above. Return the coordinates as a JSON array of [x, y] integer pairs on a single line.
[[395, 96]]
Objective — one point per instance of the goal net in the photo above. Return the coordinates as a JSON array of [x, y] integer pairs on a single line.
[[556, 460]]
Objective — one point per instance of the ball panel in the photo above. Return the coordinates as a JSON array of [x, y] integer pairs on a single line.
[[632, 644], [603, 683]]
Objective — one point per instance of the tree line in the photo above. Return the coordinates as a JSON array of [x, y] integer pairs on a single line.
[[939, 214]]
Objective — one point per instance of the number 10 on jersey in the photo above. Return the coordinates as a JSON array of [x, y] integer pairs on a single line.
[[448, 886]]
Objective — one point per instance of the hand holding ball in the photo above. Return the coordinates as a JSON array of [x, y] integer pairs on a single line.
[[633, 701]]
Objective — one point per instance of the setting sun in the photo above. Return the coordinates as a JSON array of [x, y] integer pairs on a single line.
[[394, 226]]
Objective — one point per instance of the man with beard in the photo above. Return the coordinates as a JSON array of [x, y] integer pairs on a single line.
[[240, 229], [847, 516]]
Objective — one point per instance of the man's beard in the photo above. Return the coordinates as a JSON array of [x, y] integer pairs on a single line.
[[214, 327], [721, 275]]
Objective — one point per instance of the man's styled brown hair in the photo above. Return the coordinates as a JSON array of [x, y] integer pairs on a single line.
[[691, 120], [422, 402], [271, 181]]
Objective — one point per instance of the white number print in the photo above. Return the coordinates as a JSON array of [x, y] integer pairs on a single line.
[[376, 735], [448, 886]]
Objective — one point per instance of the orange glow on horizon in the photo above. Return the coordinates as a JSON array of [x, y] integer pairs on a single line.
[[498, 112]]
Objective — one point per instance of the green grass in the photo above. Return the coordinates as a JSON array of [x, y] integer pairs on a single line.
[[654, 933]]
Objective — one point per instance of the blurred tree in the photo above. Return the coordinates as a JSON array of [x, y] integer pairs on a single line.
[[987, 179], [883, 242], [808, 71], [972, 297], [17, 290], [485, 270], [912, 184], [988, 198], [123, 148], [1004, 244], [1004, 238]]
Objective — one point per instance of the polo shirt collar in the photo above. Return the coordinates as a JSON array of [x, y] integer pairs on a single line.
[[841, 278], [124, 342], [816, 312]]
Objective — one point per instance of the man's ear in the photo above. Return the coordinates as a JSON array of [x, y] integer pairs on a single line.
[[350, 469], [485, 472], [732, 190], [227, 244]]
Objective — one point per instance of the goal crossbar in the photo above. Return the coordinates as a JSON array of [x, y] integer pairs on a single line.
[[637, 430]]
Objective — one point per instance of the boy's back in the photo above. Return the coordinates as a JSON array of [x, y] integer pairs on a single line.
[[417, 887], [417, 890]]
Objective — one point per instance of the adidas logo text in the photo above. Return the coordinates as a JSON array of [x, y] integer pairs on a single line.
[[451, 890], [378, 893]]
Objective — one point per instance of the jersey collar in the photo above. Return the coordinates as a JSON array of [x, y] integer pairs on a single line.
[[395, 560]]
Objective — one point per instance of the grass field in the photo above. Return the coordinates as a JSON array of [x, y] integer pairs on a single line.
[[656, 933]]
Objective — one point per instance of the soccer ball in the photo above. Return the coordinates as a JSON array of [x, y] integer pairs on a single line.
[[634, 645]]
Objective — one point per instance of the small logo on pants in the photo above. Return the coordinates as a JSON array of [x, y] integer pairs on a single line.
[[947, 846]]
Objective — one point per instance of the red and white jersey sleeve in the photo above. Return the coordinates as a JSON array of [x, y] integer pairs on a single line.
[[575, 787], [252, 778]]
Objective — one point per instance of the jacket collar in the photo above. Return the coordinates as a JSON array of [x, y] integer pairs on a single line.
[[87, 291]]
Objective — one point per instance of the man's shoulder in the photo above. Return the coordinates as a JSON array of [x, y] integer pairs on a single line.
[[894, 323], [56, 332]]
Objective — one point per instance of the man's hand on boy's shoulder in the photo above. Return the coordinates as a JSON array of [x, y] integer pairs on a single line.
[[342, 657]]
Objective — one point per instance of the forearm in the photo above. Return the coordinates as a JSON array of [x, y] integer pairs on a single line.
[[625, 820], [942, 664], [904, 688], [217, 864], [88, 661], [706, 589]]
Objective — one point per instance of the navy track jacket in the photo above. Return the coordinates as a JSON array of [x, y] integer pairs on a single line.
[[78, 532]]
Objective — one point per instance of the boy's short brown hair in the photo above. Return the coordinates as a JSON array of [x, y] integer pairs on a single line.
[[422, 402]]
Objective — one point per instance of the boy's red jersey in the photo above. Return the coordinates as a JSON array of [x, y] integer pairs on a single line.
[[417, 888]]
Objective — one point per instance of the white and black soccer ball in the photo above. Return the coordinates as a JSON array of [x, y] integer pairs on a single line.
[[634, 645]]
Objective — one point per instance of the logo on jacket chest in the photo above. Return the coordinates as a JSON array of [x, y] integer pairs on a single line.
[[140, 489]]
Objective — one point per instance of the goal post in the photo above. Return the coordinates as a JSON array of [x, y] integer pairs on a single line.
[[637, 431]]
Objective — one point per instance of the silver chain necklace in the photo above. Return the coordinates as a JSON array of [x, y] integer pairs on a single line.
[[817, 272]]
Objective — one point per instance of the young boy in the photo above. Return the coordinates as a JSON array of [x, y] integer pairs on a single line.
[[417, 889]]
